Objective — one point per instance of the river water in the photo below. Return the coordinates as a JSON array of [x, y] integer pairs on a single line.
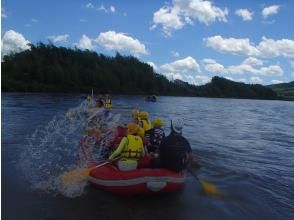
[[246, 148]]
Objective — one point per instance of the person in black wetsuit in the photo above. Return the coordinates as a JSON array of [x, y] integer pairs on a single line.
[[175, 152], [154, 136]]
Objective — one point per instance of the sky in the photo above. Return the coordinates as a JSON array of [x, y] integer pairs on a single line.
[[248, 41]]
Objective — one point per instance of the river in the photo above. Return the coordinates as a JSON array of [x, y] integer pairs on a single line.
[[246, 148]]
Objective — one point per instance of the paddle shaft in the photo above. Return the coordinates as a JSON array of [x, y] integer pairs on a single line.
[[104, 163], [194, 175], [101, 164]]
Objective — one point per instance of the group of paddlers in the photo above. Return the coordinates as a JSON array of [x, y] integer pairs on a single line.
[[142, 144]]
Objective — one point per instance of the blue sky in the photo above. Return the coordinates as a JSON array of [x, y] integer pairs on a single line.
[[192, 40]]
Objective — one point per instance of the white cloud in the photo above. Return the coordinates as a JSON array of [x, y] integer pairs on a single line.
[[184, 69], [229, 78], [252, 61], [275, 81], [255, 80], [201, 79], [187, 65], [272, 70], [151, 28], [274, 9], [212, 66], [175, 53], [191, 79], [201, 10], [274, 48], [111, 9], [89, 5], [243, 46], [248, 66], [185, 12], [13, 42], [58, 38], [34, 20], [86, 43], [245, 14], [241, 69], [102, 8], [121, 42], [3, 14], [243, 80], [173, 76], [155, 68], [189, 21], [168, 18]]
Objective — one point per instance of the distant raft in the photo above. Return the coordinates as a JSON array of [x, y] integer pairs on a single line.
[[140, 181], [151, 98]]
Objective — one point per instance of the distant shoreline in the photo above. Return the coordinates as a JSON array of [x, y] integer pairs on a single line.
[[82, 95], [51, 69]]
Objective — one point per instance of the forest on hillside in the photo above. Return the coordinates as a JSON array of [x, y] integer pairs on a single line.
[[47, 68], [285, 91]]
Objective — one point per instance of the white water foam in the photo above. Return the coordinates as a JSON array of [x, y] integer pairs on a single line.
[[55, 149]]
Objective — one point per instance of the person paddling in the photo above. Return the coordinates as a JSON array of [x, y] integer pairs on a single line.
[[175, 152], [145, 122], [130, 149], [155, 135]]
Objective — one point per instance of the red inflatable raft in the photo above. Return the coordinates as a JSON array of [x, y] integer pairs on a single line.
[[139, 181]]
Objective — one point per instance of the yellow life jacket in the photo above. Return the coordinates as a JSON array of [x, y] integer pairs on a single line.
[[134, 149], [108, 104], [146, 124]]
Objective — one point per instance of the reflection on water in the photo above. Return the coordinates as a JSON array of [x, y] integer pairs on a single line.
[[245, 147]]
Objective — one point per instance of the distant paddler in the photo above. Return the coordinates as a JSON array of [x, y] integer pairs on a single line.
[[135, 116], [108, 107], [98, 109], [86, 104], [145, 122], [108, 103]]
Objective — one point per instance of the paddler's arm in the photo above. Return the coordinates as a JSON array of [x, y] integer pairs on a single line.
[[189, 156], [119, 149]]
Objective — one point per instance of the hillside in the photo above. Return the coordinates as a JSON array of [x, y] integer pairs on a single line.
[[47, 68], [284, 90], [221, 87]]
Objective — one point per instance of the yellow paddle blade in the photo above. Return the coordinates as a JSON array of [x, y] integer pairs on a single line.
[[209, 188], [76, 175]]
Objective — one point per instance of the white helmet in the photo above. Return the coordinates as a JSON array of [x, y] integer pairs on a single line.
[[177, 125]]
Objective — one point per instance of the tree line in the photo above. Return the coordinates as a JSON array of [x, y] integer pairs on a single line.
[[285, 91], [47, 68]]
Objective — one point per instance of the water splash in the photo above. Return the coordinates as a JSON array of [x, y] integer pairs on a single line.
[[56, 148]]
